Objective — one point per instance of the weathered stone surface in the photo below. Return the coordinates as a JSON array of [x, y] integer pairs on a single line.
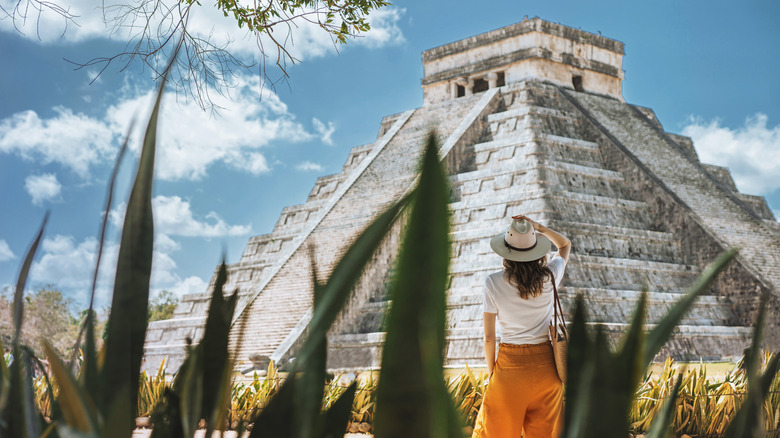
[[641, 210]]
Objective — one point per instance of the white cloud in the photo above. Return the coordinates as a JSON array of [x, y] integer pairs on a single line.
[[751, 151], [325, 132], [93, 76], [173, 216], [75, 141], [307, 166], [190, 140], [47, 27], [303, 39], [384, 28], [43, 187], [163, 243], [69, 265], [5, 252], [190, 285]]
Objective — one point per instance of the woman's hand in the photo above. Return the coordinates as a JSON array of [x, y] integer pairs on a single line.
[[560, 241], [537, 226]]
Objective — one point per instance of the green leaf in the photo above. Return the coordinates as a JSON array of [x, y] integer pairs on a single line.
[[166, 417], [658, 336], [90, 371], [579, 370], [312, 378], [338, 289], [214, 344], [21, 281], [56, 412], [412, 398], [78, 409], [277, 417], [631, 352], [188, 386], [30, 415], [335, 419], [4, 385], [660, 426], [116, 415], [19, 416], [89, 367], [127, 324], [222, 398], [748, 421]]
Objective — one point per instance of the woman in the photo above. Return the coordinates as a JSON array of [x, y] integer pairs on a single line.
[[524, 391]]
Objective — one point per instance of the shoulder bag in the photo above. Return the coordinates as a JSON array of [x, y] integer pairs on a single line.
[[558, 335]]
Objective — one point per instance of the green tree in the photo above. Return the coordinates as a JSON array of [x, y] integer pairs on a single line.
[[162, 306], [47, 316]]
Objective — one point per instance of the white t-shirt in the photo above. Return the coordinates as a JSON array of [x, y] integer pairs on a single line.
[[522, 321]]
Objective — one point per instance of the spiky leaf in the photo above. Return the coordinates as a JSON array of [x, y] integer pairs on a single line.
[[127, 324], [335, 419], [412, 398], [78, 409]]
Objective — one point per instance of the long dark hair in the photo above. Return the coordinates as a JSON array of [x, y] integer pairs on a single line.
[[527, 277]]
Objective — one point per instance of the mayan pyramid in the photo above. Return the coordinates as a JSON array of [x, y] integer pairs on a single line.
[[532, 120]]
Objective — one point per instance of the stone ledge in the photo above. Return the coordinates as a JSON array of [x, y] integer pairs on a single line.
[[533, 25]]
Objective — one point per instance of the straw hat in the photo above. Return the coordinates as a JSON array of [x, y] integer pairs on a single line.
[[520, 243]]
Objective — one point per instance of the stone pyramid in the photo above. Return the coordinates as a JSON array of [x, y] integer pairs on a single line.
[[532, 120]]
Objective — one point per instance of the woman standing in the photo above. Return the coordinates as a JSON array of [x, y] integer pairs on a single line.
[[524, 391]]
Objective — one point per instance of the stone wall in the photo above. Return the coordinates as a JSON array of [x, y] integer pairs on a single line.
[[530, 50], [740, 284]]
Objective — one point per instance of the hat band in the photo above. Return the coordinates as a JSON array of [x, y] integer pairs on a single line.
[[520, 249]]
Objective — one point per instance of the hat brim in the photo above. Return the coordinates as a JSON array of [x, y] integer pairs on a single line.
[[542, 247]]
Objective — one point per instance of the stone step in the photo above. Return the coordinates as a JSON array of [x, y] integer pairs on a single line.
[[589, 271], [356, 155], [525, 110], [326, 185], [598, 210], [688, 343], [552, 177], [623, 273], [588, 239], [561, 149], [519, 118], [298, 214], [605, 305], [548, 205], [535, 160], [571, 142], [599, 245], [534, 122], [621, 242], [464, 346]]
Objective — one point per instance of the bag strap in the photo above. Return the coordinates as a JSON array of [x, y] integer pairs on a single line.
[[556, 309]]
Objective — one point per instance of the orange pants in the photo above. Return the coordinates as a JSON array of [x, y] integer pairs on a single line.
[[524, 392]]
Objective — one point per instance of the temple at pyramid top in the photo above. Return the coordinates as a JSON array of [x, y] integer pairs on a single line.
[[533, 49]]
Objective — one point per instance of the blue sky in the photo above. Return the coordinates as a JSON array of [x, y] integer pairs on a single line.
[[708, 69]]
